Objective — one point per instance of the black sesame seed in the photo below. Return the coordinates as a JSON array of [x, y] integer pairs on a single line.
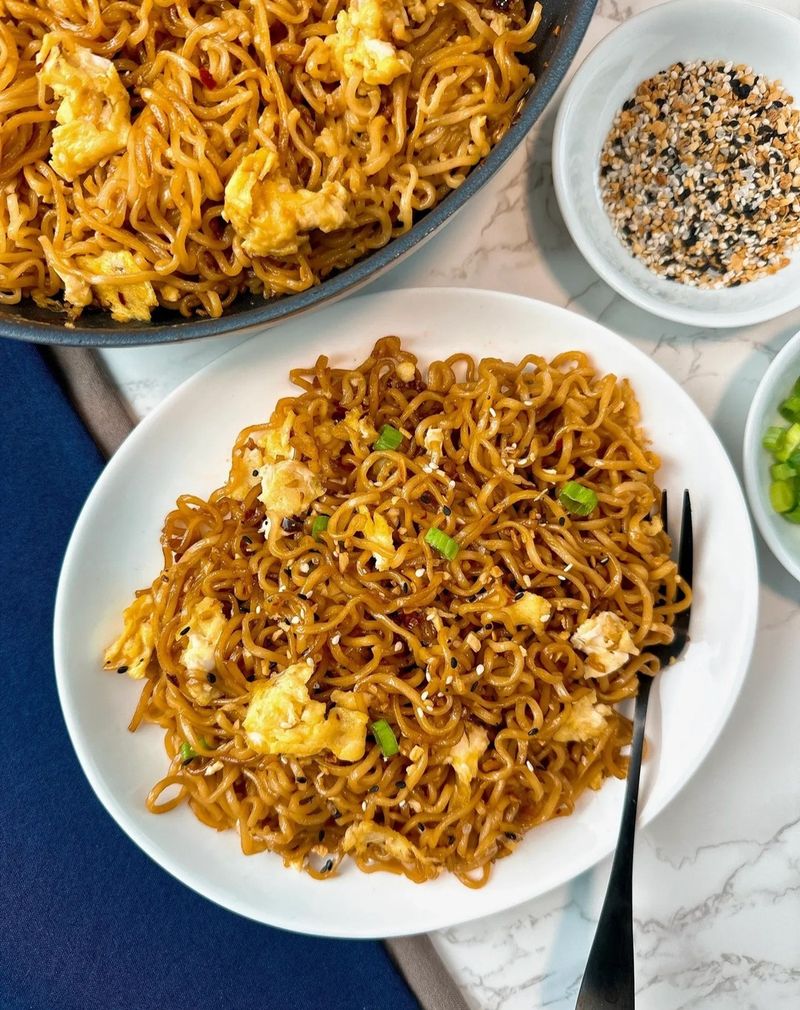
[[447, 510], [453, 662], [373, 789], [301, 779], [250, 677], [122, 669], [186, 630], [328, 866], [533, 732], [511, 835], [519, 595], [400, 785], [211, 678], [255, 473], [562, 521]]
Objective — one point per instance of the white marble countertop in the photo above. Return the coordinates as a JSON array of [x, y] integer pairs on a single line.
[[717, 887]]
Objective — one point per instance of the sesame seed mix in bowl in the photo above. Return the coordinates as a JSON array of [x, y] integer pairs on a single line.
[[700, 174]]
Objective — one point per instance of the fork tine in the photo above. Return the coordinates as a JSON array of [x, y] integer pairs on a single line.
[[664, 512], [686, 549]]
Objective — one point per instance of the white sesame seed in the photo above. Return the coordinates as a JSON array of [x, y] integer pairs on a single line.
[[364, 805], [398, 646], [479, 668], [336, 639], [451, 484], [569, 567], [295, 619], [493, 412], [420, 713], [562, 578], [529, 766], [310, 660], [419, 572], [424, 696]]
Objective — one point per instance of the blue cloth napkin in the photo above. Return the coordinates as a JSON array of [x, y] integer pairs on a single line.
[[88, 921]]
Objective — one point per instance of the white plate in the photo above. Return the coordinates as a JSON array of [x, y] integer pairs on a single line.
[[184, 446], [783, 537], [683, 30]]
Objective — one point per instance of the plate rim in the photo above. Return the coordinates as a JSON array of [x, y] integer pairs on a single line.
[[435, 921]]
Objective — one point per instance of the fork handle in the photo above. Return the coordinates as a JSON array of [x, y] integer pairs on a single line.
[[608, 980]]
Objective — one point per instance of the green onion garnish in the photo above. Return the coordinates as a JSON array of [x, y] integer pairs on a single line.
[[388, 439], [773, 439], [385, 738], [319, 525], [782, 471], [782, 495], [441, 542], [790, 441], [790, 408], [577, 499], [187, 752]]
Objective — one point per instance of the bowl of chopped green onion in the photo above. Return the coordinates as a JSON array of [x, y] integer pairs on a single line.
[[772, 456]]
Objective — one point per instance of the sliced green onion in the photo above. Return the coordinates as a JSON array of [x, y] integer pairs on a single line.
[[793, 516], [782, 496], [790, 408], [773, 439], [389, 438], [791, 440], [441, 542], [782, 471], [319, 525], [385, 738], [577, 499], [187, 752]]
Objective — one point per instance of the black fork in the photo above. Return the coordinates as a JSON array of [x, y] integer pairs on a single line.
[[608, 980]]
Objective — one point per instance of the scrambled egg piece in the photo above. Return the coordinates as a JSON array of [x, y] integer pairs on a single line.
[[288, 488], [94, 114], [268, 213], [530, 609], [465, 755], [271, 445], [282, 719], [368, 839], [378, 534], [206, 623], [127, 301], [135, 645], [361, 45], [606, 641], [77, 290], [586, 720]]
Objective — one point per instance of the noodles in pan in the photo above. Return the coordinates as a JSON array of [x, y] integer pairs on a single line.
[[180, 152], [398, 632]]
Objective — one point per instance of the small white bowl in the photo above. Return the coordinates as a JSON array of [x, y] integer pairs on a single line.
[[686, 30], [782, 537]]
